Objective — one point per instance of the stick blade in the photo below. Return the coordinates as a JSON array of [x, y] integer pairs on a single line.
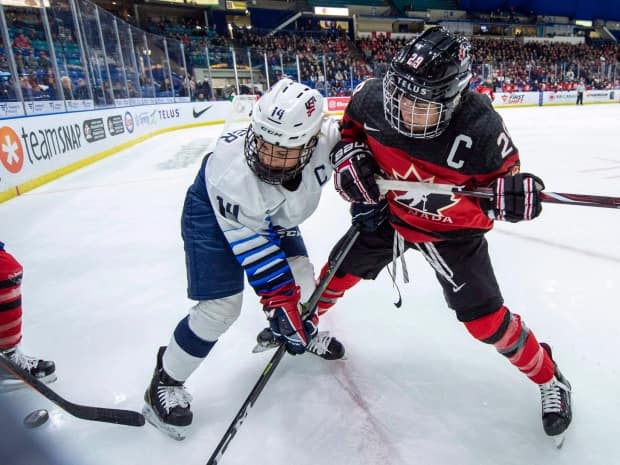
[[105, 415]]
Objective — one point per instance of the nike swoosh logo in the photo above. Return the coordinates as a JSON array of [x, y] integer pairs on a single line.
[[368, 128], [456, 289], [198, 113]]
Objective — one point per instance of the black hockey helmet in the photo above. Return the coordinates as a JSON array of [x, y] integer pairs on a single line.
[[429, 74]]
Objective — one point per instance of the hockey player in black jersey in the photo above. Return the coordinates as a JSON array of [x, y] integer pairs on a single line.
[[432, 129]]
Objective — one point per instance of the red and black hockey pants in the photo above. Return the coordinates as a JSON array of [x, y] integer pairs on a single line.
[[464, 270], [10, 301]]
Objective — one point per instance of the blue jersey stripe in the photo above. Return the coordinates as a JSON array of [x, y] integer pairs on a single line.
[[264, 265], [234, 244], [266, 270], [274, 274], [280, 284], [242, 256]]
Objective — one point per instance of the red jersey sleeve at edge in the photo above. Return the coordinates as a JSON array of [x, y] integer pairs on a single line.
[[352, 130]]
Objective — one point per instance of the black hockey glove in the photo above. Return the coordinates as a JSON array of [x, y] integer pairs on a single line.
[[516, 197], [369, 217], [355, 170]]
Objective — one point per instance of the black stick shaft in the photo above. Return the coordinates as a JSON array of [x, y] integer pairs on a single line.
[[345, 245], [581, 199], [584, 200]]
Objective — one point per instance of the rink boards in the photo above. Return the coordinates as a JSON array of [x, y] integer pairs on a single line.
[[35, 150]]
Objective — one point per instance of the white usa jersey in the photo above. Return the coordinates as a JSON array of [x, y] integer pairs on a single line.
[[250, 211]]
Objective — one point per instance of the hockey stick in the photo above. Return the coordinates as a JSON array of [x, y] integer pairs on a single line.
[[310, 307], [585, 200], [85, 412]]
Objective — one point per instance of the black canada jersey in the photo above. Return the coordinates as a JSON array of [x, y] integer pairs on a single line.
[[474, 150]]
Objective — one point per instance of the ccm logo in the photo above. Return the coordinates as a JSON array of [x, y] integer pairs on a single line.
[[270, 131]]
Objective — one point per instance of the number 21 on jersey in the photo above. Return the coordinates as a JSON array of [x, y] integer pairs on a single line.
[[503, 142]]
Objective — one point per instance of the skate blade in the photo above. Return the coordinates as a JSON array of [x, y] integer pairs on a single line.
[[263, 348], [344, 357], [559, 440], [15, 384], [258, 348], [177, 433], [270, 344]]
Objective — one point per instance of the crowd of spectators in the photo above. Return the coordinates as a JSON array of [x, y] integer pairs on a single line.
[[320, 54], [509, 65], [33, 63], [327, 60], [185, 30], [514, 66], [379, 50], [37, 78], [334, 64]]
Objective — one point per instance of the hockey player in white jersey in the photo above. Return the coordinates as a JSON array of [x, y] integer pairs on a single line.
[[242, 214]]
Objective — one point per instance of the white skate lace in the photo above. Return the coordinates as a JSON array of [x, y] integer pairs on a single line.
[[172, 396], [319, 345], [23, 361], [551, 396], [398, 250]]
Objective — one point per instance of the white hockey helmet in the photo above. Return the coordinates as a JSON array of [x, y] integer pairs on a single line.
[[288, 116]]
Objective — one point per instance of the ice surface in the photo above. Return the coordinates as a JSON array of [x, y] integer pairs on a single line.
[[104, 286]]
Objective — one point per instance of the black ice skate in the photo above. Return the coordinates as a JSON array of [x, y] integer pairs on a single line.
[[557, 410], [43, 370], [167, 405], [325, 346], [322, 345], [265, 341]]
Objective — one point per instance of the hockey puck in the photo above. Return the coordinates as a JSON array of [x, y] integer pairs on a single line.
[[36, 418]]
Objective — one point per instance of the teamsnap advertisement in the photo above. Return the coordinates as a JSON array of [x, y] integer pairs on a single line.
[[37, 146]]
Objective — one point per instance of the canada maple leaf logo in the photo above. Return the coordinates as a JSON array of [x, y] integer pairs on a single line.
[[424, 203]]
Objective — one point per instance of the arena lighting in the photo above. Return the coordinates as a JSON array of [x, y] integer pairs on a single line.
[[236, 5], [191, 2], [26, 3], [583, 22], [330, 11]]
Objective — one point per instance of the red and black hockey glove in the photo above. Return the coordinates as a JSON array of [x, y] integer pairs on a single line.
[[355, 169], [516, 197], [283, 311]]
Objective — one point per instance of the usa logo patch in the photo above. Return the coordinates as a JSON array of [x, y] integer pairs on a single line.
[[463, 52], [310, 106]]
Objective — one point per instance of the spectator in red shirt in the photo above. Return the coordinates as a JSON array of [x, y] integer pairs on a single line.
[[487, 90], [22, 42]]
